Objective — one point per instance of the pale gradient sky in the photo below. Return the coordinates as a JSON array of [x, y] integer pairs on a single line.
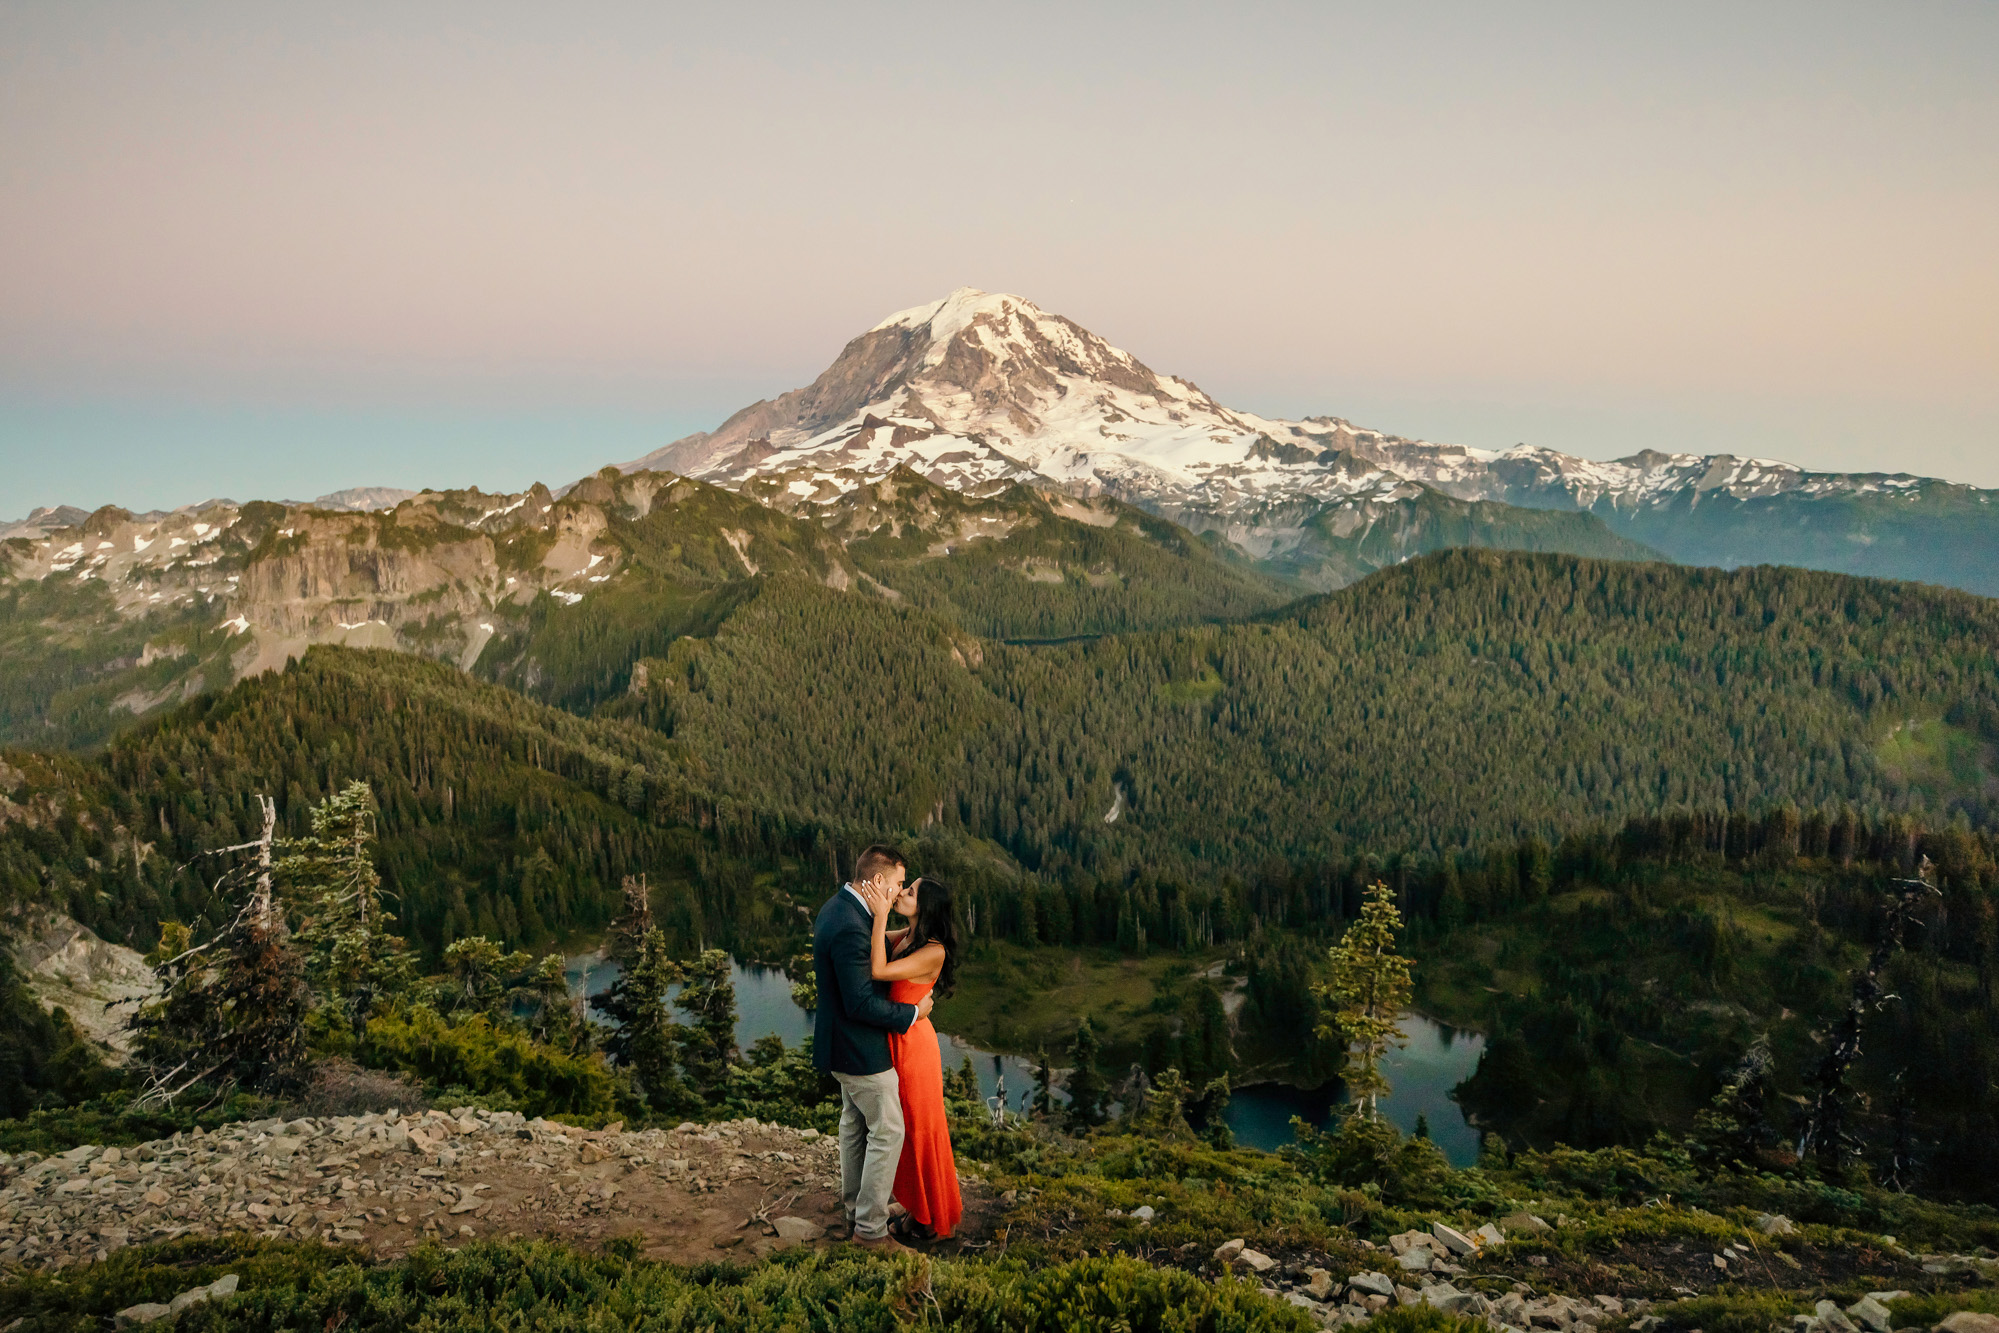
[[253, 249]]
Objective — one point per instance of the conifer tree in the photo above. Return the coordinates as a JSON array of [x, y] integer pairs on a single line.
[[1365, 992], [962, 1083], [628, 932], [1211, 1112], [1165, 1109], [709, 1041], [1044, 1085], [351, 957], [553, 1016], [478, 976], [1735, 1126], [646, 1040], [1086, 1082], [804, 981]]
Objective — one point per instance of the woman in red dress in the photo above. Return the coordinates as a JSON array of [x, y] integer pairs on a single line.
[[925, 955]]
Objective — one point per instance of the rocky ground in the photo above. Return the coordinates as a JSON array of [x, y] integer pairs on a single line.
[[387, 1182], [1474, 1275]]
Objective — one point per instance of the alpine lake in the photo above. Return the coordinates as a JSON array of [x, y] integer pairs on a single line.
[[1432, 1061]]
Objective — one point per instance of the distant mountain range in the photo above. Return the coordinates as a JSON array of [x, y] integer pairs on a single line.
[[999, 469], [979, 390]]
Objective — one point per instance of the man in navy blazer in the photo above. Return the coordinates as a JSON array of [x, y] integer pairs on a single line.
[[850, 1041]]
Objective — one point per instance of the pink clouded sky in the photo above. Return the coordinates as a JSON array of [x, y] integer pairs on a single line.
[[263, 250]]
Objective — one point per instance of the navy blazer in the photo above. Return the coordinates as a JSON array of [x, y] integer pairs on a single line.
[[851, 1026]]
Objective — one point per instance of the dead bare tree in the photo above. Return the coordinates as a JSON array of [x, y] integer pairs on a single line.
[[231, 1010], [1826, 1135]]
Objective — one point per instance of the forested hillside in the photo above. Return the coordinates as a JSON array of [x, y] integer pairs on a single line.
[[1467, 700], [1458, 700], [499, 816]]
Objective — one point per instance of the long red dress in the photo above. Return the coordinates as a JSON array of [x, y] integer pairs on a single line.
[[926, 1179]]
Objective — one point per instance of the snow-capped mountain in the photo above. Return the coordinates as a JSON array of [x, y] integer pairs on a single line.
[[981, 390]]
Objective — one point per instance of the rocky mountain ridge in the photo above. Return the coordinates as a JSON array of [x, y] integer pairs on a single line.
[[152, 609]]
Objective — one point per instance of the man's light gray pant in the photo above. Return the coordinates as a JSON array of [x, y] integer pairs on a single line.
[[870, 1147]]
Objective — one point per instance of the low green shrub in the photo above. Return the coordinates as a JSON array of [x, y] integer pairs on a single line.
[[1930, 1309], [543, 1286], [111, 1119], [82, 1299], [472, 1054], [1739, 1312], [1424, 1319]]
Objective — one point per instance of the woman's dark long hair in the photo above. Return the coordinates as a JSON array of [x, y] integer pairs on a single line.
[[935, 924]]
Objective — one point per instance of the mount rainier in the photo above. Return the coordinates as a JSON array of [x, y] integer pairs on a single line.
[[981, 390]]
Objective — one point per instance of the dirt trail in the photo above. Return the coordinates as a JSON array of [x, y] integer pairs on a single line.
[[387, 1182]]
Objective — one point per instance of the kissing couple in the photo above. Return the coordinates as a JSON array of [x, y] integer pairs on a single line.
[[872, 1033]]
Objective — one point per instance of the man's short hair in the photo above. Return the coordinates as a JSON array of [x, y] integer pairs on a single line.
[[877, 860]]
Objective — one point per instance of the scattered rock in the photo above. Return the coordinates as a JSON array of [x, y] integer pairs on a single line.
[[1144, 1213], [1321, 1284], [1523, 1222], [797, 1230], [1775, 1224], [148, 1311], [1415, 1259], [1833, 1319], [1445, 1297], [1871, 1314], [1226, 1252], [1969, 1321], [1456, 1241], [1256, 1261], [1371, 1284]]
